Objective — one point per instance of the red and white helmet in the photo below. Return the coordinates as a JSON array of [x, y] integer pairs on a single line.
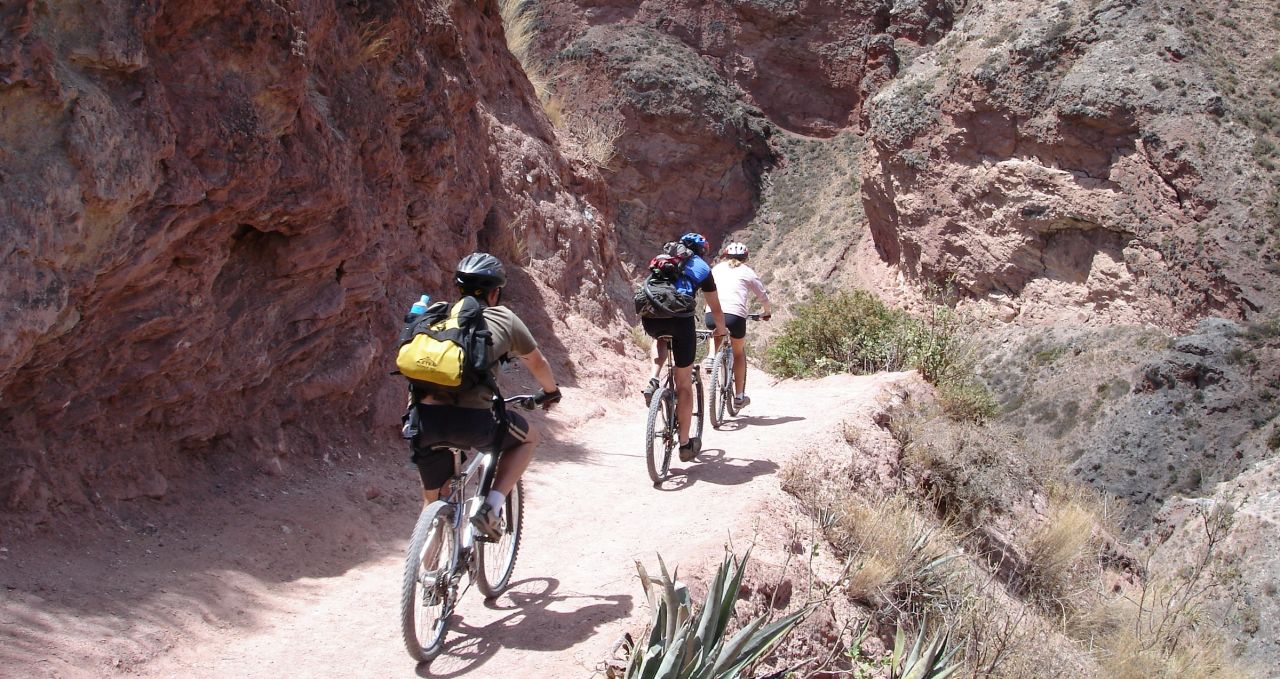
[[736, 250]]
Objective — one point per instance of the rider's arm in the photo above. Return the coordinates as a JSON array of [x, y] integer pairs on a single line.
[[757, 286], [540, 369], [713, 302]]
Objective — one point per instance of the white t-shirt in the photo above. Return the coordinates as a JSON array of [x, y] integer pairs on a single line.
[[733, 283]]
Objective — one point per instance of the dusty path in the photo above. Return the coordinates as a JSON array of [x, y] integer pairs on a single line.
[[305, 583]]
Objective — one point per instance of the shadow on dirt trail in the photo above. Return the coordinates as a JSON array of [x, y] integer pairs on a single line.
[[713, 465], [757, 421], [535, 618], [88, 600]]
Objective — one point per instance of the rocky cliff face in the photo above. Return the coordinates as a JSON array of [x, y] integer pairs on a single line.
[[702, 87], [1084, 159], [213, 214]]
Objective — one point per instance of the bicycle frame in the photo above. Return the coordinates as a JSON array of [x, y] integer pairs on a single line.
[[663, 419], [464, 503]]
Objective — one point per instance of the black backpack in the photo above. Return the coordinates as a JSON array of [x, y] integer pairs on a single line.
[[657, 295]]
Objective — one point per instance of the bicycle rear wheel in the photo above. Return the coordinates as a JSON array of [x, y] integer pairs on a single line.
[[496, 560], [729, 404], [719, 378], [660, 434], [425, 595]]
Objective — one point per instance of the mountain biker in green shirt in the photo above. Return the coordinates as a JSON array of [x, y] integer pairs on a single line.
[[467, 420]]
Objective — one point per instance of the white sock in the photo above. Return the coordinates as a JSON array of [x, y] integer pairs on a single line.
[[495, 499], [740, 395]]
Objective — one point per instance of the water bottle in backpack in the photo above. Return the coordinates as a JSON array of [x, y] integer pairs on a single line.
[[419, 307]]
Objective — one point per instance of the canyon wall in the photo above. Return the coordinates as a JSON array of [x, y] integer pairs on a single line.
[[213, 216]]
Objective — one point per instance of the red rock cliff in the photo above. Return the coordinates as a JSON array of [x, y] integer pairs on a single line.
[[213, 214]]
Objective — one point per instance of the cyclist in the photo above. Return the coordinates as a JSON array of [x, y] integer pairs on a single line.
[[684, 340], [735, 280], [467, 420]]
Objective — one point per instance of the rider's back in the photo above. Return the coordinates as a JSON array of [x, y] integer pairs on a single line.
[[510, 336], [735, 283]]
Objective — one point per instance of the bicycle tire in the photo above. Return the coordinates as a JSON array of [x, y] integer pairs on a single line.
[[729, 404], [655, 454], [699, 407], [435, 526], [718, 387], [501, 555]]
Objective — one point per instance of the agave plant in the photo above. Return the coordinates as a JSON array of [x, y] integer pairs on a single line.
[[930, 660], [680, 646]]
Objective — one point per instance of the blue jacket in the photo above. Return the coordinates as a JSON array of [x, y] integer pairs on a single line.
[[695, 272]]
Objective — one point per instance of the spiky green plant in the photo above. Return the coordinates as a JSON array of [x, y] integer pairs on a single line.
[[680, 646], [930, 660]]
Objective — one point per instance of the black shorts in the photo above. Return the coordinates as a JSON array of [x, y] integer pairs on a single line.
[[737, 325], [444, 426], [684, 340]]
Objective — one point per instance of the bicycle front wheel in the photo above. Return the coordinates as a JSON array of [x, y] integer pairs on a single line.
[[425, 595], [496, 560], [660, 434]]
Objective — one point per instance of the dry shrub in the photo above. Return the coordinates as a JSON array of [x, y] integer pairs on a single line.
[[1160, 629], [969, 471], [1133, 653], [590, 139]]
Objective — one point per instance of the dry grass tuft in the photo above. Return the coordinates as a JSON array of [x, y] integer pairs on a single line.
[[1161, 629], [375, 41], [1059, 555], [901, 560], [641, 340], [520, 25]]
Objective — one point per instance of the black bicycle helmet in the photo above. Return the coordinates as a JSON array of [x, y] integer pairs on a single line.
[[480, 271]]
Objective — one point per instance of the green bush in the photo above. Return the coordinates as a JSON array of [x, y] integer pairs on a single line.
[[853, 331]]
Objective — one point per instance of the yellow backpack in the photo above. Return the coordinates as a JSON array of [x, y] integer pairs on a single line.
[[446, 348]]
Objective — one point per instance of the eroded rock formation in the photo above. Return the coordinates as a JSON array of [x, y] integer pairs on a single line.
[[1074, 159], [213, 215]]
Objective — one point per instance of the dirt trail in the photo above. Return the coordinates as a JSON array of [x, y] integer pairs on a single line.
[[304, 582]]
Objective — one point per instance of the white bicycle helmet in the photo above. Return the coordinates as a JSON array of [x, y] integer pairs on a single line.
[[736, 250]]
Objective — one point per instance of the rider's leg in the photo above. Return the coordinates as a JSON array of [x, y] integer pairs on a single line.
[[514, 461], [739, 366], [658, 355], [684, 401], [435, 466]]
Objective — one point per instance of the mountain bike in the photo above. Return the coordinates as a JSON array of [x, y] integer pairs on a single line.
[[444, 547], [662, 430], [721, 370]]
